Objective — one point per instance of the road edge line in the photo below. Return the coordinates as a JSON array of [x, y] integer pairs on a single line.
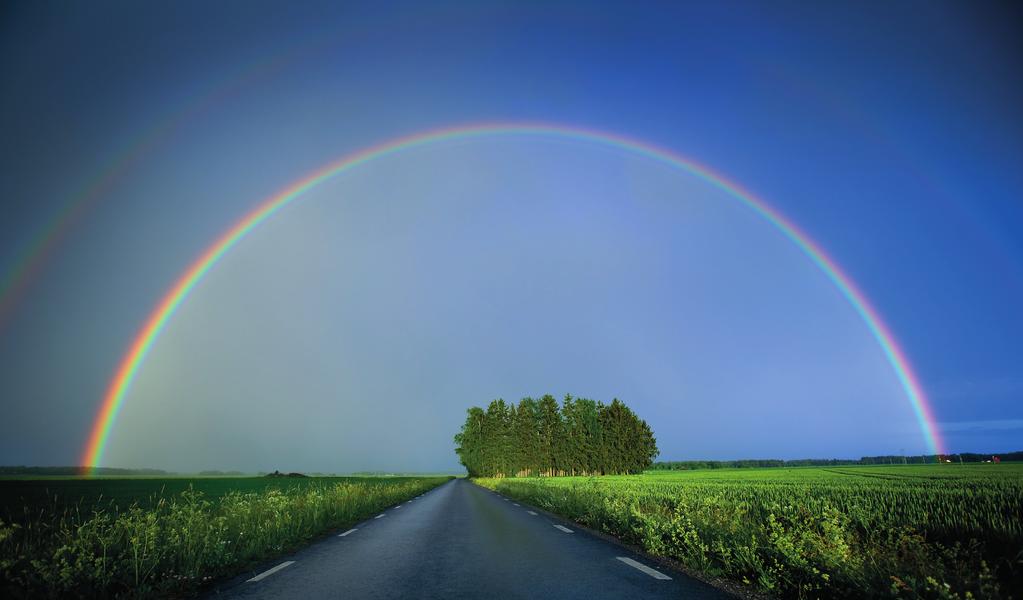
[[643, 568], [270, 571]]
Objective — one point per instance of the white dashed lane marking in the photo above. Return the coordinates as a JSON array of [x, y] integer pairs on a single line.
[[270, 572], [531, 512], [563, 528], [640, 566], [381, 516]]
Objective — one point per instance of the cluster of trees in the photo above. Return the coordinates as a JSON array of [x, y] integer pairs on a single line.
[[291, 475], [540, 438]]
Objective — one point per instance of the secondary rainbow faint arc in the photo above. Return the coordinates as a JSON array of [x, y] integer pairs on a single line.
[[29, 263], [157, 320]]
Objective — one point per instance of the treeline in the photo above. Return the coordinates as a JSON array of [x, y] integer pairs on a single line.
[[966, 457], [538, 437], [693, 465], [64, 471]]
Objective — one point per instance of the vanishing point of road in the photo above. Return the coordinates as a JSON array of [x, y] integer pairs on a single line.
[[462, 541]]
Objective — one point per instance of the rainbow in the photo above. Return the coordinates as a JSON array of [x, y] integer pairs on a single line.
[[157, 320]]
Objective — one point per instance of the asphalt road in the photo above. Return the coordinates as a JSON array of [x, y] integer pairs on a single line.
[[462, 541]]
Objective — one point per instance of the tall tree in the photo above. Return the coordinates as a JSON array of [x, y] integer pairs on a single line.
[[527, 439], [551, 432], [573, 444], [470, 441], [499, 439], [591, 436]]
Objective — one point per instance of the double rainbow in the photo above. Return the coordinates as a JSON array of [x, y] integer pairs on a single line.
[[157, 320]]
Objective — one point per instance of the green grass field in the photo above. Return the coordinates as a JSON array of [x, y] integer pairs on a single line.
[[59, 494], [921, 531], [66, 536]]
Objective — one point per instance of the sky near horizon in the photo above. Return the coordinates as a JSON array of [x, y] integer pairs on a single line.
[[351, 330]]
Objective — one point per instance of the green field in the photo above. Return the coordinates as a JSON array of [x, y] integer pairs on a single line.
[[930, 531], [114, 537], [60, 494]]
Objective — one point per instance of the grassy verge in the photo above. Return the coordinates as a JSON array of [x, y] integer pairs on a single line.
[[810, 533], [171, 545]]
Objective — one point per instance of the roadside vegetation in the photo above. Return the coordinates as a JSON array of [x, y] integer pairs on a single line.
[[539, 437], [142, 539], [936, 531]]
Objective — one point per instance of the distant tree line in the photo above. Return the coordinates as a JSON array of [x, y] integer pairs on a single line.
[[538, 437], [79, 470], [291, 475], [966, 457], [693, 465]]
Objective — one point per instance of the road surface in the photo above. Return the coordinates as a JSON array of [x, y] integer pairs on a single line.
[[462, 541]]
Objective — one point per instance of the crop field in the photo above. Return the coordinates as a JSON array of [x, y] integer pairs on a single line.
[[60, 494], [928, 531], [145, 537]]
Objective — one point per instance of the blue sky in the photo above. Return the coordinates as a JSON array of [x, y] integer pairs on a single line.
[[890, 133]]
